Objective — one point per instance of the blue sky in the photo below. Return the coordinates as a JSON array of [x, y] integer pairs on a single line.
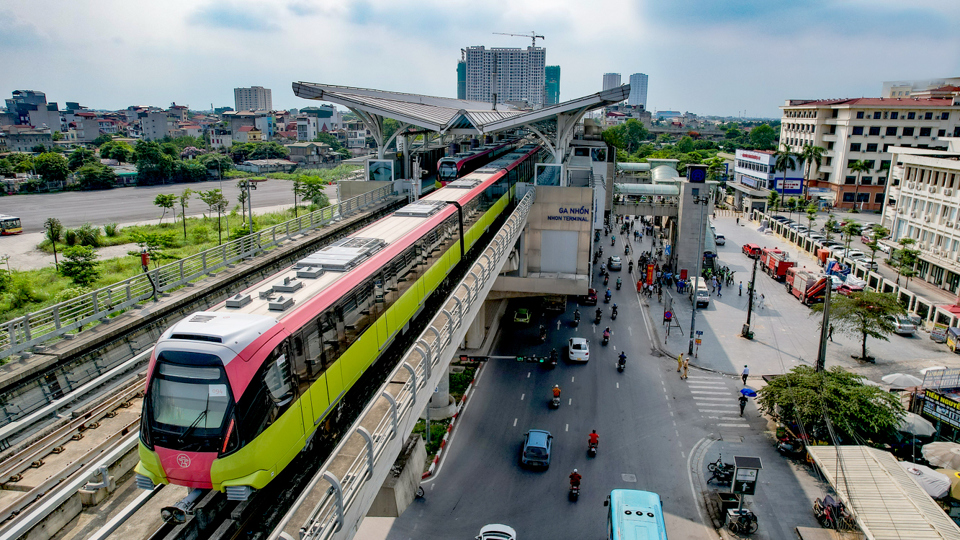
[[725, 57]]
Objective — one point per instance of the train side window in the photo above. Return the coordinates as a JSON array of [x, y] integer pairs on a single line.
[[277, 377], [314, 350], [331, 341], [300, 361]]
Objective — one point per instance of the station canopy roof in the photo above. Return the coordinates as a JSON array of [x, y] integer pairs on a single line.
[[445, 115]]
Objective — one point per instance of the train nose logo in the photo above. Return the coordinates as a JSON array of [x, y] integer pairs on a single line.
[[183, 461]]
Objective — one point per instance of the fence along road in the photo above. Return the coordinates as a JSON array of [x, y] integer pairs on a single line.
[[20, 334]]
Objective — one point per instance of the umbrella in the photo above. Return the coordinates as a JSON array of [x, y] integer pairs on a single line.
[[931, 368], [916, 425], [954, 477], [748, 392], [935, 484], [942, 454], [901, 380]]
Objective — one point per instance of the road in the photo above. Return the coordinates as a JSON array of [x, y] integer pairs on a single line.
[[650, 423], [132, 204]]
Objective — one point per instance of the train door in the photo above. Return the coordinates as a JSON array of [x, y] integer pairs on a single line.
[[301, 377]]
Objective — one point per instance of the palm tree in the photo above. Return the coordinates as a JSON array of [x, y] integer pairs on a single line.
[[858, 167], [810, 155], [786, 159]]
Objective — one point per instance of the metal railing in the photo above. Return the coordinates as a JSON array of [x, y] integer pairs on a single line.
[[390, 417], [57, 320]]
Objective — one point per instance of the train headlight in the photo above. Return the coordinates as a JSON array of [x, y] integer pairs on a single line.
[[231, 439]]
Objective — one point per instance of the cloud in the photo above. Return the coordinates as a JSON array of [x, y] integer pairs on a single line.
[[17, 34], [235, 16], [304, 8]]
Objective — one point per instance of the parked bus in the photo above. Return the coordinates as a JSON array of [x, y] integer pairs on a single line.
[[635, 515], [10, 225]]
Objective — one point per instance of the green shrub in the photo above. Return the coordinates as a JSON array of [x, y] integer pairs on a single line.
[[111, 229], [20, 292], [5, 279], [80, 265], [70, 237], [88, 235], [200, 234], [70, 293]]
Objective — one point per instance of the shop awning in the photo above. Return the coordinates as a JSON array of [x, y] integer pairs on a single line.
[[885, 501], [748, 191]]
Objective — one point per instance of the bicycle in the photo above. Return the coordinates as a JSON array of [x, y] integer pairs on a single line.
[[745, 523]]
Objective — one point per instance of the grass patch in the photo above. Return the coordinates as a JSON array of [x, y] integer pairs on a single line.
[[47, 287], [460, 380], [438, 428]]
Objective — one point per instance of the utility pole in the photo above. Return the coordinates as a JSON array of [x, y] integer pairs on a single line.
[[824, 326], [750, 288]]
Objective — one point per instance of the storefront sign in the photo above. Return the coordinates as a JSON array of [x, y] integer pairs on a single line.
[[790, 186], [748, 181], [571, 213], [940, 407]]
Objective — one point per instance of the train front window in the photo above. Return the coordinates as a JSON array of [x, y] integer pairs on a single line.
[[448, 171], [189, 400]]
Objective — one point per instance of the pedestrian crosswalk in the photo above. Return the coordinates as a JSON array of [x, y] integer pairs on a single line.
[[716, 399]]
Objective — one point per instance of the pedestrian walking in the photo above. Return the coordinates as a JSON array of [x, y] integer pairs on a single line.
[[741, 289], [744, 374], [738, 222], [719, 288], [760, 302], [830, 333], [686, 366], [743, 403], [679, 362]]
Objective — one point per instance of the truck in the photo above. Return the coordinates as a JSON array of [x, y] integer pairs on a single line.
[[556, 303], [805, 285], [775, 263]]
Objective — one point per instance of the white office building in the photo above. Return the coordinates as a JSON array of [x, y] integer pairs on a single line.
[[638, 90], [754, 177], [255, 98], [512, 74], [923, 201], [611, 80]]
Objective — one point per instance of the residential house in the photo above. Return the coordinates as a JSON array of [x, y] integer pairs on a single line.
[[248, 134]]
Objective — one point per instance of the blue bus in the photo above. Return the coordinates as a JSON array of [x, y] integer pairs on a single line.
[[635, 515]]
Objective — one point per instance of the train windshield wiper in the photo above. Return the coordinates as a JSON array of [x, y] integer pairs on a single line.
[[193, 426]]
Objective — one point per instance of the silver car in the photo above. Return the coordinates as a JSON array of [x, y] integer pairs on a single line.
[[902, 325]]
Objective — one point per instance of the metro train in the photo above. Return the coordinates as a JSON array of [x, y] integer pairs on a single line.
[[459, 165], [234, 393]]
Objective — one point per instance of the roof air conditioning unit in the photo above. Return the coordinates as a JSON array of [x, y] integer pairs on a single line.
[[900, 210], [910, 185], [947, 192], [933, 189], [950, 224], [913, 214], [883, 136], [926, 219]]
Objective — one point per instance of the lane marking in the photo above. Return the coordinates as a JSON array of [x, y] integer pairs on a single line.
[[514, 422], [572, 378], [683, 455], [566, 427], [678, 435], [630, 331], [671, 413], [710, 392], [570, 402], [618, 385], [522, 396], [528, 374], [734, 425], [698, 399]]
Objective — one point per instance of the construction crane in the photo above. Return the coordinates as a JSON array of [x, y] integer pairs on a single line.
[[532, 35]]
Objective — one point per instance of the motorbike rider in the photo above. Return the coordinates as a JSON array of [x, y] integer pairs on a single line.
[[576, 315], [599, 313], [594, 438], [553, 355], [623, 359], [626, 250], [619, 282], [575, 479], [556, 391], [543, 331], [613, 240], [606, 334], [608, 294], [614, 310], [630, 267]]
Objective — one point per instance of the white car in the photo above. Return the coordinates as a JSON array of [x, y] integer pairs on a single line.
[[835, 282], [902, 325], [496, 531], [578, 349], [856, 255]]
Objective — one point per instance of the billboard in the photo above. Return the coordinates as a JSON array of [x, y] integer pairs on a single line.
[[790, 186], [380, 170]]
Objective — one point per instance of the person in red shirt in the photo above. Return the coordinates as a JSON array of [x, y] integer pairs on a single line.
[[594, 438], [575, 479]]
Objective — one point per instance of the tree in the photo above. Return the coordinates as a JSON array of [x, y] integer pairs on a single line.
[[216, 162], [38, 148], [685, 144], [153, 165], [330, 139], [216, 202], [102, 139], [153, 244], [53, 230], [313, 191], [184, 199], [785, 160], [628, 136], [905, 258], [242, 199], [57, 136], [811, 217], [773, 199], [118, 150], [829, 227], [96, 176], [763, 136], [269, 150], [808, 398], [874, 243], [52, 167], [80, 265], [297, 192], [848, 231], [864, 314], [858, 167], [165, 201], [80, 157], [809, 155]]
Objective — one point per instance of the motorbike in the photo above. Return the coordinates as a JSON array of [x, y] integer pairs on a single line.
[[574, 493], [555, 403], [831, 513], [630, 267], [619, 283], [553, 358], [626, 250], [613, 241], [576, 319], [722, 472], [606, 281], [606, 338], [543, 334], [606, 297], [791, 447], [622, 363], [592, 449], [614, 314], [599, 314]]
